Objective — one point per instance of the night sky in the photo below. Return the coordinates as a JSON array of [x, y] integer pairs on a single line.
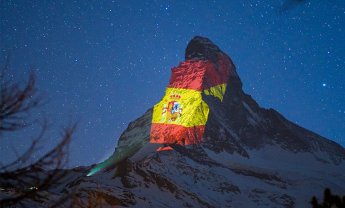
[[104, 63]]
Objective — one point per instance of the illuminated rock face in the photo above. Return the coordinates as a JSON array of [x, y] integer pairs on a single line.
[[180, 117]]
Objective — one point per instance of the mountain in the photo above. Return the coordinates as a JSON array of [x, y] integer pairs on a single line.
[[208, 144]]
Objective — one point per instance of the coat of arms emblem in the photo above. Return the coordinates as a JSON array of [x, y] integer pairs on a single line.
[[172, 111]]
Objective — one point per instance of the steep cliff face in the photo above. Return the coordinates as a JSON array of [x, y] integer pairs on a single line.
[[224, 149]]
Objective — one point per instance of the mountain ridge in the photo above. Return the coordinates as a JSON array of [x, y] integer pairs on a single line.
[[246, 156]]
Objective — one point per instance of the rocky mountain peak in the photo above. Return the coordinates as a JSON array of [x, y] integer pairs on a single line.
[[209, 144], [204, 105], [201, 48]]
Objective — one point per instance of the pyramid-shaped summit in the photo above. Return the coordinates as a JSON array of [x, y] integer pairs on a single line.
[[181, 116], [206, 143], [204, 105]]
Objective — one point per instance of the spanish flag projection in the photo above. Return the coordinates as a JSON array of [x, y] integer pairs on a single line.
[[180, 117]]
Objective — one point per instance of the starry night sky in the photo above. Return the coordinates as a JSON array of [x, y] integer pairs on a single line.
[[104, 63]]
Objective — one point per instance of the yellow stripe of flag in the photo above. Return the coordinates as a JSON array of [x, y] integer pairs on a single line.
[[216, 91], [183, 107]]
